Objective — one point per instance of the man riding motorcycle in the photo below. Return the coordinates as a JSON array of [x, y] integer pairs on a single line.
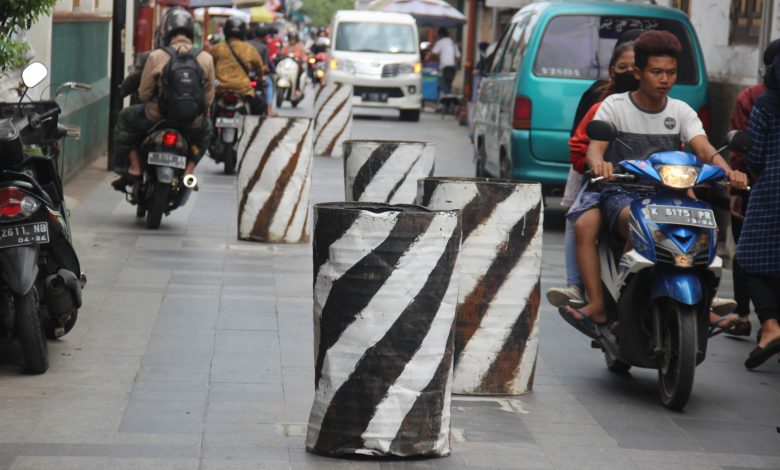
[[238, 64], [177, 31], [649, 120]]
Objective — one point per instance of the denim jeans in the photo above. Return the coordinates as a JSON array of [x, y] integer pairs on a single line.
[[573, 276]]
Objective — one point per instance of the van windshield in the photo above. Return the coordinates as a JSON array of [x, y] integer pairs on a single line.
[[385, 38], [579, 46]]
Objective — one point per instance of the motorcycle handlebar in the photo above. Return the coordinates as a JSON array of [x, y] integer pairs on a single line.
[[617, 176]]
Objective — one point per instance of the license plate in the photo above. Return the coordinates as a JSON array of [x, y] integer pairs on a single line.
[[375, 97], [27, 234], [693, 217], [167, 159], [227, 122]]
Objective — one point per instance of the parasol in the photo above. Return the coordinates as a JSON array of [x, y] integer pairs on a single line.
[[437, 13]]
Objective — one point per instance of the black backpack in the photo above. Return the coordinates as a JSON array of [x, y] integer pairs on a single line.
[[182, 95]]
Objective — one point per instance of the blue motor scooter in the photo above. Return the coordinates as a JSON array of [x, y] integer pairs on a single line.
[[659, 293]]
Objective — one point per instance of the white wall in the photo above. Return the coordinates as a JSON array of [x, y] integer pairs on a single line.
[[39, 38]]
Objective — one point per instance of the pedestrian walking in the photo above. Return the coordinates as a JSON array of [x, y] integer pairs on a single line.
[[448, 55], [758, 250]]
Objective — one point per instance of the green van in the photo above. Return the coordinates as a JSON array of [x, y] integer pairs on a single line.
[[546, 59]]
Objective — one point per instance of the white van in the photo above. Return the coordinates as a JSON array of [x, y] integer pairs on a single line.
[[378, 54]]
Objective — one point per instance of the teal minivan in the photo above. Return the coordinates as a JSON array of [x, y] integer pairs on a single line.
[[549, 55]]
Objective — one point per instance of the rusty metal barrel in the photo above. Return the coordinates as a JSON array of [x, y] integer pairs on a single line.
[[385, 290], [332, 118], [274, 179], [386, 171], [497, 330]]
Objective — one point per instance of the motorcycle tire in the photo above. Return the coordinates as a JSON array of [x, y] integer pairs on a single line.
[[230, 157], [680, 345], [30, 331], [159, 203], [280, 97]]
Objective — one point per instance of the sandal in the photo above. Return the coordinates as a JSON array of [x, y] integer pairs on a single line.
[[716, 328], [584, 324], [741, 328], [759, 355]]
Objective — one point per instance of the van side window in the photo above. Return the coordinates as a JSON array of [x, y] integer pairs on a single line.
[[580, 46], [517, 43], [498, 58]]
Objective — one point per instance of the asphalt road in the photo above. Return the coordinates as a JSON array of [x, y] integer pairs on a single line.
[[194, 351]]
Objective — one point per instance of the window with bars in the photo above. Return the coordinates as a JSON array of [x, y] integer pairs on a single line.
[[746, 21]]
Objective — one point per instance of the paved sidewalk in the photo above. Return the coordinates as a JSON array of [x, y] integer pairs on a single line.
[[194, 351]]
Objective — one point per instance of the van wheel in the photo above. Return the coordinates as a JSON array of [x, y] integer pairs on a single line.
[[412, 115], [505, 166], [481, 160]]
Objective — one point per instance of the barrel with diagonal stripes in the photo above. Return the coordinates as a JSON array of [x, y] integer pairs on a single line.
[[385, 290], [386, 171], [332, 118], [274, 179], [497, 332]]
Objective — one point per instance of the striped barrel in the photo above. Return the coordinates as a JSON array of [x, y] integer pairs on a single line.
[[332, 118], [385, 291], [274, 179], [497, 332], [386, 171]]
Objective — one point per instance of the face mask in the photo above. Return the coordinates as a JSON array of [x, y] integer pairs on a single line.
[[625, 82]]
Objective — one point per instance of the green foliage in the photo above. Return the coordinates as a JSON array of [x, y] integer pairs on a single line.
[[322, 11], [18, 15]]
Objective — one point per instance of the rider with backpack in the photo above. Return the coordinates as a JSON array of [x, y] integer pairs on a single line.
[[177, 84], [238, 65]]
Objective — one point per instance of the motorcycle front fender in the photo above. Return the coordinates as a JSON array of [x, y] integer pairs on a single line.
[[683, 287], [165, 174], [19, 268]]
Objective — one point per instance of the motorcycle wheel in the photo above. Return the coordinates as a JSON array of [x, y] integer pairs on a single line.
[[159, 202], [230, 161], [29, 329], [679, 342], [280, 96]]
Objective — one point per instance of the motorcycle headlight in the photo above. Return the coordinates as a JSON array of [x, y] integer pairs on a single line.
[[678, 176]]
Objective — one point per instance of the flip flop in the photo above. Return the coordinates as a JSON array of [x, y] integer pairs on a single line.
[[716, 329], [585, 325], [741, 328], [760, 355]]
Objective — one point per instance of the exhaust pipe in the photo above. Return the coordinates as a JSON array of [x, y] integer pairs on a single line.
[[190, 182], [63, 298]]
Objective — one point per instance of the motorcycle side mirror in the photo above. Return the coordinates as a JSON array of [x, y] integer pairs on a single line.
[[739, 141], [601, 130], [34, 74]]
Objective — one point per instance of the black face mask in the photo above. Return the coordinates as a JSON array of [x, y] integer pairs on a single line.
[[625, 82]]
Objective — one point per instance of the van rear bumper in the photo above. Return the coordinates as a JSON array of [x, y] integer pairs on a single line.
[[528, 168]]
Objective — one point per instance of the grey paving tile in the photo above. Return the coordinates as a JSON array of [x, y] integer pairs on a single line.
[[60, 463], [264, 454]]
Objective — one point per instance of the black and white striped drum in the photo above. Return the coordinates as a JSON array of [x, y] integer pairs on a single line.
[[332, 118], [386, 171], [497, 332], [274, 179], [385, 290]]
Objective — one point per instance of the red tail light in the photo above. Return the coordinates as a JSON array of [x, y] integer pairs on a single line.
[[230, 98], [10, 202], [230, 113], [704, 117], [170, 139], [521, 119], [253, 83]]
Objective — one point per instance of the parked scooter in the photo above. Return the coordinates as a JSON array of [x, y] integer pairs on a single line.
[[290, 82], [228, 110], [659, 293], [40, 277]]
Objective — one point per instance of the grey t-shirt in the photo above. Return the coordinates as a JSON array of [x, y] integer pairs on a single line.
[[647, 133]]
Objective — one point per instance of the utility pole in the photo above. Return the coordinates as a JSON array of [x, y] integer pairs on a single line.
[[468, 58]]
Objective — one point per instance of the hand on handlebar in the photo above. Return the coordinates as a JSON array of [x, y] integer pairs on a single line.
[[738, 180], [602, 171]]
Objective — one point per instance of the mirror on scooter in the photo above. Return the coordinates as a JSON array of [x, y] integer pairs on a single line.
[[739, 141], [34, 74], [601, 130]]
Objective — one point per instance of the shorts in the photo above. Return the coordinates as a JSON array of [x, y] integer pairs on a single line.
[[613, 200]]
